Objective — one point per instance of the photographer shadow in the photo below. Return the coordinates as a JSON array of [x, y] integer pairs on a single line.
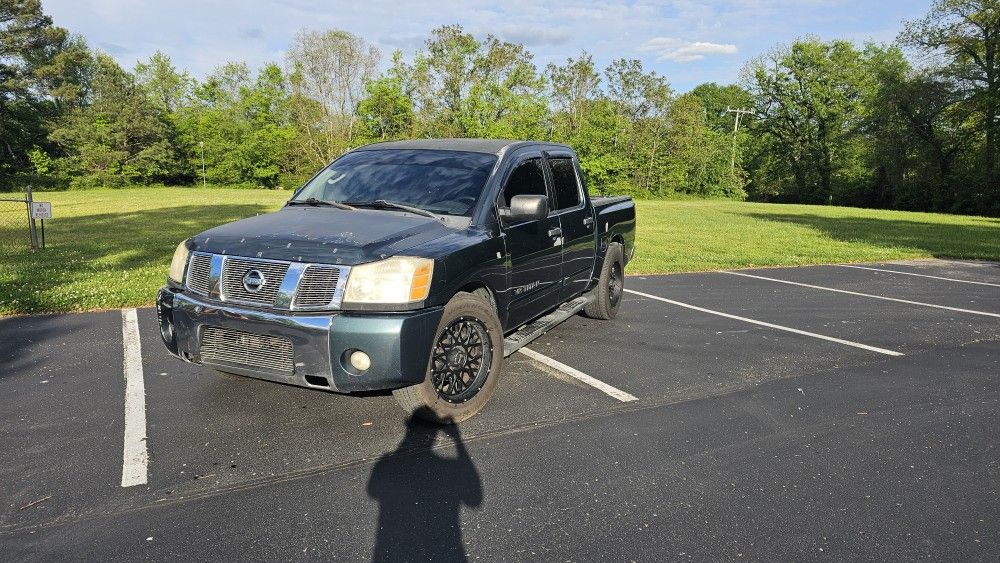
[[420, 490]]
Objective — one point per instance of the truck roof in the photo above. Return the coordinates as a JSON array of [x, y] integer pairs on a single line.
[[486, 146]]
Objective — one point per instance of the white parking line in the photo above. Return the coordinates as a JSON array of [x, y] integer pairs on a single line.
[[908, 302], [135, 459], [770, 325], [915, 274], [579, 375]]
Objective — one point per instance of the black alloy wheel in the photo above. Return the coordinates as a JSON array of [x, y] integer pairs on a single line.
[[461, 360], [465, 358], [616, 284], [606, 298]]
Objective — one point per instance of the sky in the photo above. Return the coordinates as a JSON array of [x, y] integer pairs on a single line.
[[687, 41]]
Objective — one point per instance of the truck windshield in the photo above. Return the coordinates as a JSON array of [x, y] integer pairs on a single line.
[[440, 181]]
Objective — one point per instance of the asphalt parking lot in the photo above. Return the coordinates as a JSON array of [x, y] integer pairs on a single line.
[[826, 412]]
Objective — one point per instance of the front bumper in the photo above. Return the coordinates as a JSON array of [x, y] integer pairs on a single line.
[[399, 344]]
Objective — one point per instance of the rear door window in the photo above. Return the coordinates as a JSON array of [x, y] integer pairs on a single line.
[[564, 183]]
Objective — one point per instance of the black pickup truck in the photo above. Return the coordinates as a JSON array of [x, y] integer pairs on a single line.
[[415, 266]]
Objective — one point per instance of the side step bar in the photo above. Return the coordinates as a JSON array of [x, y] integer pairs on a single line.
[[524, 335]]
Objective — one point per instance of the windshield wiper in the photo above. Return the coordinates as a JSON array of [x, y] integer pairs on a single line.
[[314, 201], [383, 204]]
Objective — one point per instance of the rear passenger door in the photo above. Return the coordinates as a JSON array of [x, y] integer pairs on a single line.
[[534, 248], [576, 220]]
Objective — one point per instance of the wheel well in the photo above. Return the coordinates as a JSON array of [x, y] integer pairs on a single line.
[[621, 240], [479, 288]]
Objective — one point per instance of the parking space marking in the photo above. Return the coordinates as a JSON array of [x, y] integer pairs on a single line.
[[580, 376], [882, 297], [770, 325], [135, 459], [916, 274]]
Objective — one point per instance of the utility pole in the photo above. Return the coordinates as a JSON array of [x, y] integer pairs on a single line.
[[202, 145], [740, 112]]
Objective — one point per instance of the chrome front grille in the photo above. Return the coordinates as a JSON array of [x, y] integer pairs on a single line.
[[246, 349], [287, 285], [199, 272], [317, 287], [233, 271]]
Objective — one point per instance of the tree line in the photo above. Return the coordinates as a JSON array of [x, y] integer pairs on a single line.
[[909, 125]]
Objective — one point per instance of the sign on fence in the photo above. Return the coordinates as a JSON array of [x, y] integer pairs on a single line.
[[41, 210]]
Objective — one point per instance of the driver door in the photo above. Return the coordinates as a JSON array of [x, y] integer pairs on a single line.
[[534, 248]]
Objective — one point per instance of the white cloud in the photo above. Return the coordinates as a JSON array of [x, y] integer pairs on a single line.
[[672, 49]]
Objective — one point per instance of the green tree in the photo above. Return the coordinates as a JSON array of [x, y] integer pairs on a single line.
[[116, 136], [243, 127], [641, 101], [721, 102], [697, 157], [574, 88], [386, 112], [924, 135], [966, 33], [42, 71], [594, 142], [272, 132], [327, 74], [168, 90], [167, 87], [717, 99], [464, 87], [584, 118], [809, 99]]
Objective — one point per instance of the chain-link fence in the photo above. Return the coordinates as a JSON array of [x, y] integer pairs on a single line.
[[14, 224]]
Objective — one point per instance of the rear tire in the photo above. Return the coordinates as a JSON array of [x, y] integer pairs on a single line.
[[611, 287], [464, 363]]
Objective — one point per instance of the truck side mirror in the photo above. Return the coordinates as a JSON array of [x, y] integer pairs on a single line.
[[527, 208]]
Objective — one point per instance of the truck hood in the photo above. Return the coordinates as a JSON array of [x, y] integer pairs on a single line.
[[321, 234]]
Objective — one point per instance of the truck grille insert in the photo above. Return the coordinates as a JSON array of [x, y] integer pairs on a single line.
[[234, 271], [199, 270], [267, 283], [246, 349], [317, 286]]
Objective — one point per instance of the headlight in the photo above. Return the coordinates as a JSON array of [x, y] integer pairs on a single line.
[[178, 262], [396, 280]]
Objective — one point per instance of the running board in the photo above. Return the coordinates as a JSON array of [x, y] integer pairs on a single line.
[[524, 335]]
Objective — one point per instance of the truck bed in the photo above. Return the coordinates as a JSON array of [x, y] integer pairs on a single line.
[[615, 222], [604, 201]]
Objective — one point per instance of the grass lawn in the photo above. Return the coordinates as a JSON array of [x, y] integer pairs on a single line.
[[111, 248], [679, 236]]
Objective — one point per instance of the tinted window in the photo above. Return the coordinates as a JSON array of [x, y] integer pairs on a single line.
[[446, 182], [526, 179], [564, 183]]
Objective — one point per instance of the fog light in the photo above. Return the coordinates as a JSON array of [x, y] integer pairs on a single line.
[[360, 361]]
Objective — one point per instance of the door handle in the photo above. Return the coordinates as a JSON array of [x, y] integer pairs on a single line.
[[588, 221], [555, 232]]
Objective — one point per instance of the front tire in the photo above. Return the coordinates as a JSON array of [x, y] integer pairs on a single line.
[[611, 287], [465, 361]]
